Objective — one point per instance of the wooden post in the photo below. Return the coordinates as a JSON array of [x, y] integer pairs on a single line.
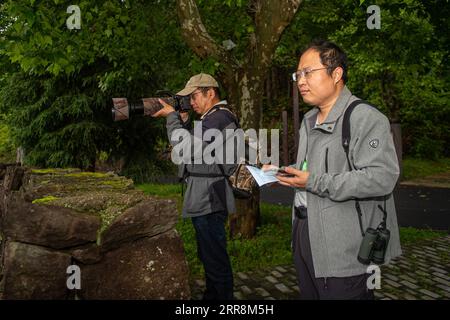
[[20, 155], [285, 138], [396, 130], [296, 114]]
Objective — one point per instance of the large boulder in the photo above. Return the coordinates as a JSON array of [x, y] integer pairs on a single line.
[[45, 225], [124, 242], [148, 218], [148, 267], [33, 272]]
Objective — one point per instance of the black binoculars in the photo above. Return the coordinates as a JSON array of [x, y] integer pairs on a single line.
[[373, 246]]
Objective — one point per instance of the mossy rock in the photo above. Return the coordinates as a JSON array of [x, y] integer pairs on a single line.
[[65, 182], [54, 171], [103, 194], [106, 205]]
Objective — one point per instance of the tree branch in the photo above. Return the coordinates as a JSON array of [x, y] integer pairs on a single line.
[[195, 33], [271, 18]]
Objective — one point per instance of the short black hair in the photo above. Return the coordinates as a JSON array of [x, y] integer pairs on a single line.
[[331, 56], [205, 89]]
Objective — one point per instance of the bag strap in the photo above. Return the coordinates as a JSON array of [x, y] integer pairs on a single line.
[[215, 175], [236, 121], [346, 137]]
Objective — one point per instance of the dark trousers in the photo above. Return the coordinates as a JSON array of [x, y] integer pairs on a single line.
[[312, 288], [212, 252]]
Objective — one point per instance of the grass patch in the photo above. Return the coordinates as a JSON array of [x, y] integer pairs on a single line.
[[419, 168], [272, 244], [270, 247], [161, 190], [409, 235]]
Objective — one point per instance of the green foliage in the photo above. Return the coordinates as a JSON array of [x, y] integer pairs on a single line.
[[402, 68], [58, 88], [56, 84], [144, 169], [7, 150]]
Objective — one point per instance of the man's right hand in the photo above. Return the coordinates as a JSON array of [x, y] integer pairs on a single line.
[[165, 111]]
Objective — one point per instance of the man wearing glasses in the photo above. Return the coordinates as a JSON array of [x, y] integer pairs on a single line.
[[209, 198], [338, 198]]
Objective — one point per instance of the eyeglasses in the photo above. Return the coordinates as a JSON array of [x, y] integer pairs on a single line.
[[193, 94], [296, 76]]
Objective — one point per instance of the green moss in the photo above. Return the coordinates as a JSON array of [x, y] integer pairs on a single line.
[[117, 184], [46, 199], [87, 174], [54, 171]]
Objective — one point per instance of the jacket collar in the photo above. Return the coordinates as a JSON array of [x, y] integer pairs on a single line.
[[336, 111], [222, 102]]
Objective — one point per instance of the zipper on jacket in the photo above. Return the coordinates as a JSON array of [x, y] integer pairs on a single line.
[[326, 160], [358, 209]]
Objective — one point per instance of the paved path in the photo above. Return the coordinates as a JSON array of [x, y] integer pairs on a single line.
[[421, 273]]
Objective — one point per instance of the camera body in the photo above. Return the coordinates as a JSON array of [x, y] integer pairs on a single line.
[[374, 245], [124, 110]]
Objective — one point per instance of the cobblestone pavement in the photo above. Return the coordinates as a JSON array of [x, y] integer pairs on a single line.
[[421, 273]]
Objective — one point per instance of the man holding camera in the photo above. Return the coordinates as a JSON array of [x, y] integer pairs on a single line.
[[341, 198], [209, 197]]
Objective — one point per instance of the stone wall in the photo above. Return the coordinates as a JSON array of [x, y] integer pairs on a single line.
[[124, 242]]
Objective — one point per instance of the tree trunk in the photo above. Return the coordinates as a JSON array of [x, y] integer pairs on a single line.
[[242, 80], [243, 223], [248, 96]]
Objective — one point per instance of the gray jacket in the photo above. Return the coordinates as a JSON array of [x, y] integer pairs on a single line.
[[205, 195], [334, 229]]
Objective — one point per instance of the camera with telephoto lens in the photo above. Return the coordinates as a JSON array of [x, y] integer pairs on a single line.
[[373, 246], [124, 110]]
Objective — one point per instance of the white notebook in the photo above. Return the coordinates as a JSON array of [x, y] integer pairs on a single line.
[[262, 177]]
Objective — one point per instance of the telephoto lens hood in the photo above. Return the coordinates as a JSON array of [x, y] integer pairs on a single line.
[[124, 110]]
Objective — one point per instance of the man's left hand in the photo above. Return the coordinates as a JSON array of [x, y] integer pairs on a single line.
[[299, 181], [165, 111]]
